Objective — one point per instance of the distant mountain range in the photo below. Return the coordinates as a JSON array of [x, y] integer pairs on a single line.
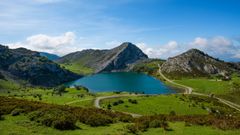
[[49, 55], [32, 67], [116, 59], [39, 69]]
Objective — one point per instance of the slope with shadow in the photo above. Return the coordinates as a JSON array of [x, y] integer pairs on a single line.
[[196, 63], [49, 55], [116, 59], [30, 66]]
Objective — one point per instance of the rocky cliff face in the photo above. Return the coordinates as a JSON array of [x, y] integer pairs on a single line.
[[30, 66], [116, 59], [195, 63]]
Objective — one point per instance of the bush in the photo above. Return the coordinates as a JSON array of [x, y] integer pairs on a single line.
[[1, 117], [99, 120], [132, 129], [172, 113], [133, 101], [109, 106], [16, 112], [155, 124], [54, 118]]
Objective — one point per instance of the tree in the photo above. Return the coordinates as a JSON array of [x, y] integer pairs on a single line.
[[60, 89]]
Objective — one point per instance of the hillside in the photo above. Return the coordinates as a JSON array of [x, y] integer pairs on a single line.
[[196, 63], [29, 66], [49, 56], [116, 59]]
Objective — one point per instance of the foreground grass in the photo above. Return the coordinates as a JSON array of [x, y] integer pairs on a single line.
[[23, 126], [20, 125], [162, 104]]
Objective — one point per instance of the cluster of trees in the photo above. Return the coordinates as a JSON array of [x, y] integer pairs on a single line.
[[133, 101], [80, 87], [59, 116], [118, 102]]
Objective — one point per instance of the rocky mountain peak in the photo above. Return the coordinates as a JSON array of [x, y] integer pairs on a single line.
[[195, 63], [115, 59]]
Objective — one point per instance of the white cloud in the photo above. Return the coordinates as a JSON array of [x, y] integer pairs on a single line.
[[60, 45], [218, 46], [163, 51]]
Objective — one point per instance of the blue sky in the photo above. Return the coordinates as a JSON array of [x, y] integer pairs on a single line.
[[161, 28]]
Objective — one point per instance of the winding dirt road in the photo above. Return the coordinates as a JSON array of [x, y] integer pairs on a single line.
[[189, 90], [98, 99]]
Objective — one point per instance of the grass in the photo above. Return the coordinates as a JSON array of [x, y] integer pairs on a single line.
[[70, 97], [162, 104], [23, 126], [8, 85], [222, 89], [78, 68], [179, 128], [207, 85], [47, 97]]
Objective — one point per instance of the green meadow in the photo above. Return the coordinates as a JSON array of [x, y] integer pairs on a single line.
[[23, 126]]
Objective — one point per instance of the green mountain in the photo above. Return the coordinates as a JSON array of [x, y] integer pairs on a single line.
[[116, 59], [29, 66]]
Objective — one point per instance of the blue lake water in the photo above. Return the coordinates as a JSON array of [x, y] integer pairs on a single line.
[[123, 81]]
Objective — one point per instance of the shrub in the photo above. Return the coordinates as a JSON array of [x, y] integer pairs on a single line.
[[1, 117], [173, 113], [133, 101], [99, 120], [16, 112], [109, 106], [115, 103], [155, 124], [54, 118], [132, 129]]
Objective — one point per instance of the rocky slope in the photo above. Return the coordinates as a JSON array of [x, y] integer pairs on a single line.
[[116, 59], [195, 63], [33, 68]]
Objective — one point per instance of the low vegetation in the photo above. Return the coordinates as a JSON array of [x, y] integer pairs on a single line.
[[60, 117]]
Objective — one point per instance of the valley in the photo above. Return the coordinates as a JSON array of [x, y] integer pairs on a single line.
[[136, 106]]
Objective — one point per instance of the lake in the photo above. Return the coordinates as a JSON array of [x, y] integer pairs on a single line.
[[123, 81]]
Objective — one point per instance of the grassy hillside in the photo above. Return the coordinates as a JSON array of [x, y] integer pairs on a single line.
[[226, 89], [78, 68]]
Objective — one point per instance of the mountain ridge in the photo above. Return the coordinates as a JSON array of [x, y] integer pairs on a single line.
[[116, 59], [28, 65], [196, 63]]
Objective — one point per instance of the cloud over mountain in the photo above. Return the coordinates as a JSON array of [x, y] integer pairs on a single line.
[[219, 46], [61, 44]]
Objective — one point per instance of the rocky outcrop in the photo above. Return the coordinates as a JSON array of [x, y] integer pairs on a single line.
[[33, 68], [195, 63], [116, 59]]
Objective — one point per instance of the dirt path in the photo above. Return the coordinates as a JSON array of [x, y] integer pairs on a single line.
[[189, 90], [75, 101], [98, 100]]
